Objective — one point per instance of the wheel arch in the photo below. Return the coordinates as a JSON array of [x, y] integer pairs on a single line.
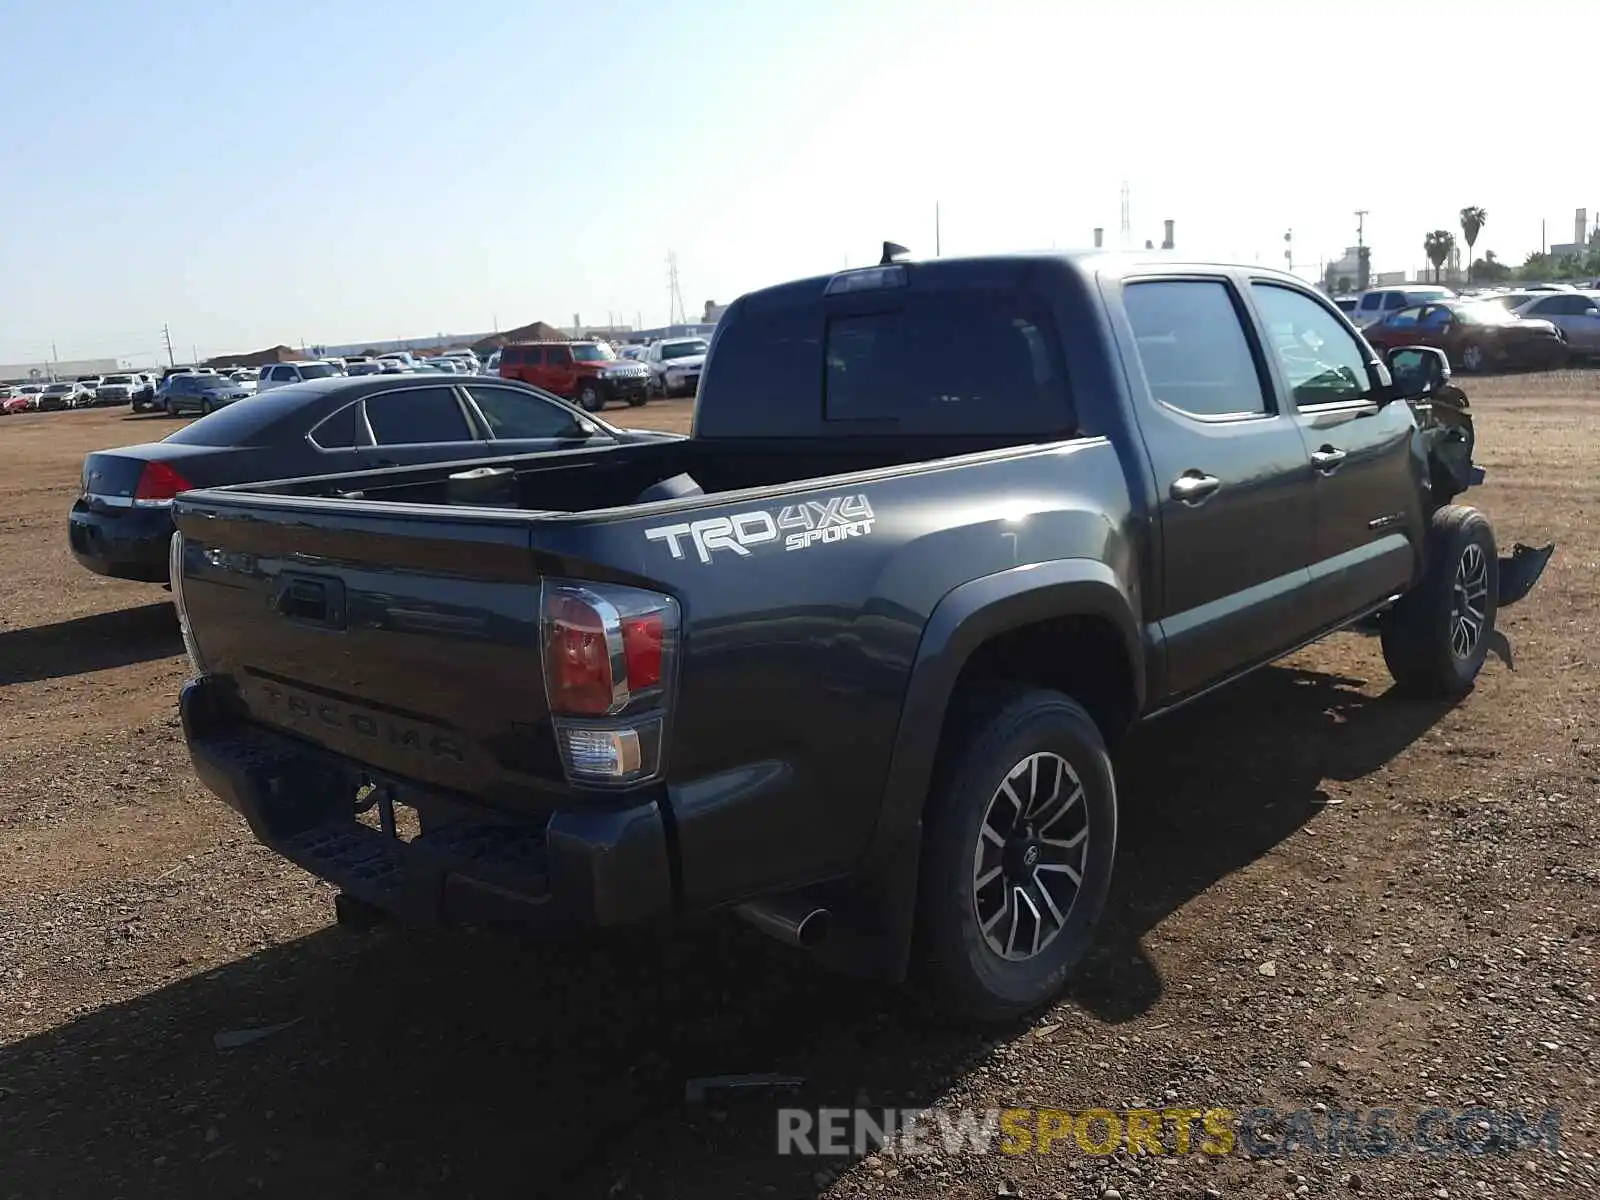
[[1070, 625]]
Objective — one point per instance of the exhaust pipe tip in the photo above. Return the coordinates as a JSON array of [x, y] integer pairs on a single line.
[[813, 928], [796, 924]]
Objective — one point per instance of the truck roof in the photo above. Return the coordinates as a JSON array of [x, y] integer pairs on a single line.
[[1087, 263]]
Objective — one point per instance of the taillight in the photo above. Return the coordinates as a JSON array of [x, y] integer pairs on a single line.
[[175, 577], [158, 484], [608, 654]]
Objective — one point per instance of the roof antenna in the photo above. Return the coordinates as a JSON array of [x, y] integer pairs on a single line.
[[892, 252]]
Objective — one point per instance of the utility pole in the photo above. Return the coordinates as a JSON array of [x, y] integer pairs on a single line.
[[675, 313], [167, 335], [1363, 262], [937, 244], [1288, 250]]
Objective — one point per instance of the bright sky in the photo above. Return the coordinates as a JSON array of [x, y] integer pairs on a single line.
[[329, 172]]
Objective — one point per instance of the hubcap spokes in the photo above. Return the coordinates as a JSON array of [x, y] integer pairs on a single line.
[[1029, 861], [1469, 602]]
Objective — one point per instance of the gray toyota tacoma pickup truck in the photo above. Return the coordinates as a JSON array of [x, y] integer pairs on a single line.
[[852, 658]]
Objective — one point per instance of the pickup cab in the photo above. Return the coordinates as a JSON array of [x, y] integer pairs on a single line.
[[851, 659]]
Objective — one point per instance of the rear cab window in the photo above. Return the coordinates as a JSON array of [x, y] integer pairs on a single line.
[[952, 353]]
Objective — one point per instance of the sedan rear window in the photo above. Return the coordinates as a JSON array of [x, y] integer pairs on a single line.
[[252, 422]]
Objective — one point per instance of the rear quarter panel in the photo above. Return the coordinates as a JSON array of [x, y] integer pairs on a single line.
[[803, 615]]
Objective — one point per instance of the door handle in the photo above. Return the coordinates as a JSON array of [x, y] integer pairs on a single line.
[[1327, 459], [1194, 487]]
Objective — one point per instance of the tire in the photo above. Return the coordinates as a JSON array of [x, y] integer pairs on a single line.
[[994, 742], [1422, 634], [640, 400], [205, 408], [1473, 359], [589, 398]]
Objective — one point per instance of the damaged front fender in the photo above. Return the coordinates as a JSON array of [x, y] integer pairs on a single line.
[[1521, 570]]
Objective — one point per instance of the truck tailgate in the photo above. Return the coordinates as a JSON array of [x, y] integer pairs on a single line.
[[408, 644]]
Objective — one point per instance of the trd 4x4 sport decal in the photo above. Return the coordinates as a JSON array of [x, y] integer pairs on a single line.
[[799, 526]]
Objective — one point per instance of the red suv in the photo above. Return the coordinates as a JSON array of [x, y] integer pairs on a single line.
[[588, 373]]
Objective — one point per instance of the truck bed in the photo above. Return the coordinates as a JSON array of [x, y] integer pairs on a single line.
[[602, 479]]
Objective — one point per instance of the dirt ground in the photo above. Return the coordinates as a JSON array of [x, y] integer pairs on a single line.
[[1423, 882]]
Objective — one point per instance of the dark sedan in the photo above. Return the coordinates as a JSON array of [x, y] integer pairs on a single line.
[[1477, 335], [121, 522]]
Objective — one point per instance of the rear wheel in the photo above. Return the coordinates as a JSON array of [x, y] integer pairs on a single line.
[[205, 408], [1436, 637], [1022, 831], [1472, 358]]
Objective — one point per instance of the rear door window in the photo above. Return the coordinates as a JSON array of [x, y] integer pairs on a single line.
[[965, 362], [417, 415], [1192, 345]]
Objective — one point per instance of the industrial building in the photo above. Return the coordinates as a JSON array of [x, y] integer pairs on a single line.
[[45, 372]]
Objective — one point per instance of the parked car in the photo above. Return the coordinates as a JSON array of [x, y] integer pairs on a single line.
[[117, 389], [249, 378], [1346, 304], [364, 368], [492, 365], [61, 395], [675, 364], [443, 366], [405, 358], [824, 663], [26, 399], [282, 374], [1575, 314], [587, 373], [1476, 335], [1510, 301], [120, 525], [198, 393], [1376, 303], [466, 361]]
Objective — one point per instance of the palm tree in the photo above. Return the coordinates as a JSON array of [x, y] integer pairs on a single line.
[[1437, 246], [1473, 219]]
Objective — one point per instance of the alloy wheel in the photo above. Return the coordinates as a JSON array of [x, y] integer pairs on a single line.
[[1030, 856], [1469, 601]]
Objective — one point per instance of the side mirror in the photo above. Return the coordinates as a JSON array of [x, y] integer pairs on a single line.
[[1417, 371]]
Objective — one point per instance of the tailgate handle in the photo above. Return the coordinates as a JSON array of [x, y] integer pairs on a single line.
[[311, 601]]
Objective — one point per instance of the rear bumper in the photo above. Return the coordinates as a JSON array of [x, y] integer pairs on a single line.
[[133, 544], [468, 866]]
